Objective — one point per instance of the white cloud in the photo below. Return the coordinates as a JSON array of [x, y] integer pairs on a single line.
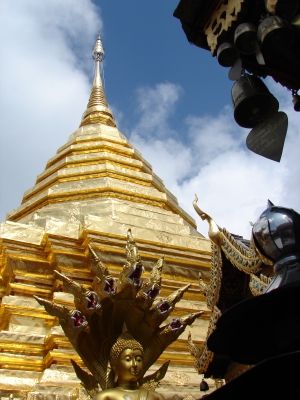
[[212, 136], [155, 106], [233, 184], [39, 73], [170, 158], [154, 135]]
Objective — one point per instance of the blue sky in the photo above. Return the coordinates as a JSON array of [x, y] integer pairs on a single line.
[[170, 98], [145, 45]]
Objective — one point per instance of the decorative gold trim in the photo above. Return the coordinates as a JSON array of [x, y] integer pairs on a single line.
[[213, 289], [76, 148], [92, 137], [22, 348], [258, 284], [83, 176], [98, 157], [221, 21], [97, 193], [244, 258], [203, 356], [98, 118]]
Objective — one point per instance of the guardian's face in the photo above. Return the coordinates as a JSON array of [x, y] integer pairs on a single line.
[[130, 365]]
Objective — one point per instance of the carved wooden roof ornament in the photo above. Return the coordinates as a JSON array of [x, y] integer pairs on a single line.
[[221, 21], [235, 274]]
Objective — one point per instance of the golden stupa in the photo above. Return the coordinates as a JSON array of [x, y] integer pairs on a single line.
[[94, 189]]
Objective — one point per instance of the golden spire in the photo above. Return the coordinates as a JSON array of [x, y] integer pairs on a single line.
[[97, 110]]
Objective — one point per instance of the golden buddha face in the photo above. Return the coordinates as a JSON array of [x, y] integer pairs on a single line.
[[130, 365]]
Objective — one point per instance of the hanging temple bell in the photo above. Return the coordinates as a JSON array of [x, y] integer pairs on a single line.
[[252, 101], [274, 32], [254, 105], [227, 54], [245, 38]]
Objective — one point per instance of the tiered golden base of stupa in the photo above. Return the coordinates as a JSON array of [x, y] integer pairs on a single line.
[[35, 355], [93, 190], [98, 164]]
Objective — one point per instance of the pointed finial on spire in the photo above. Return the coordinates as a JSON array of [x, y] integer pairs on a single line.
[[98, 52], [97, 109]]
